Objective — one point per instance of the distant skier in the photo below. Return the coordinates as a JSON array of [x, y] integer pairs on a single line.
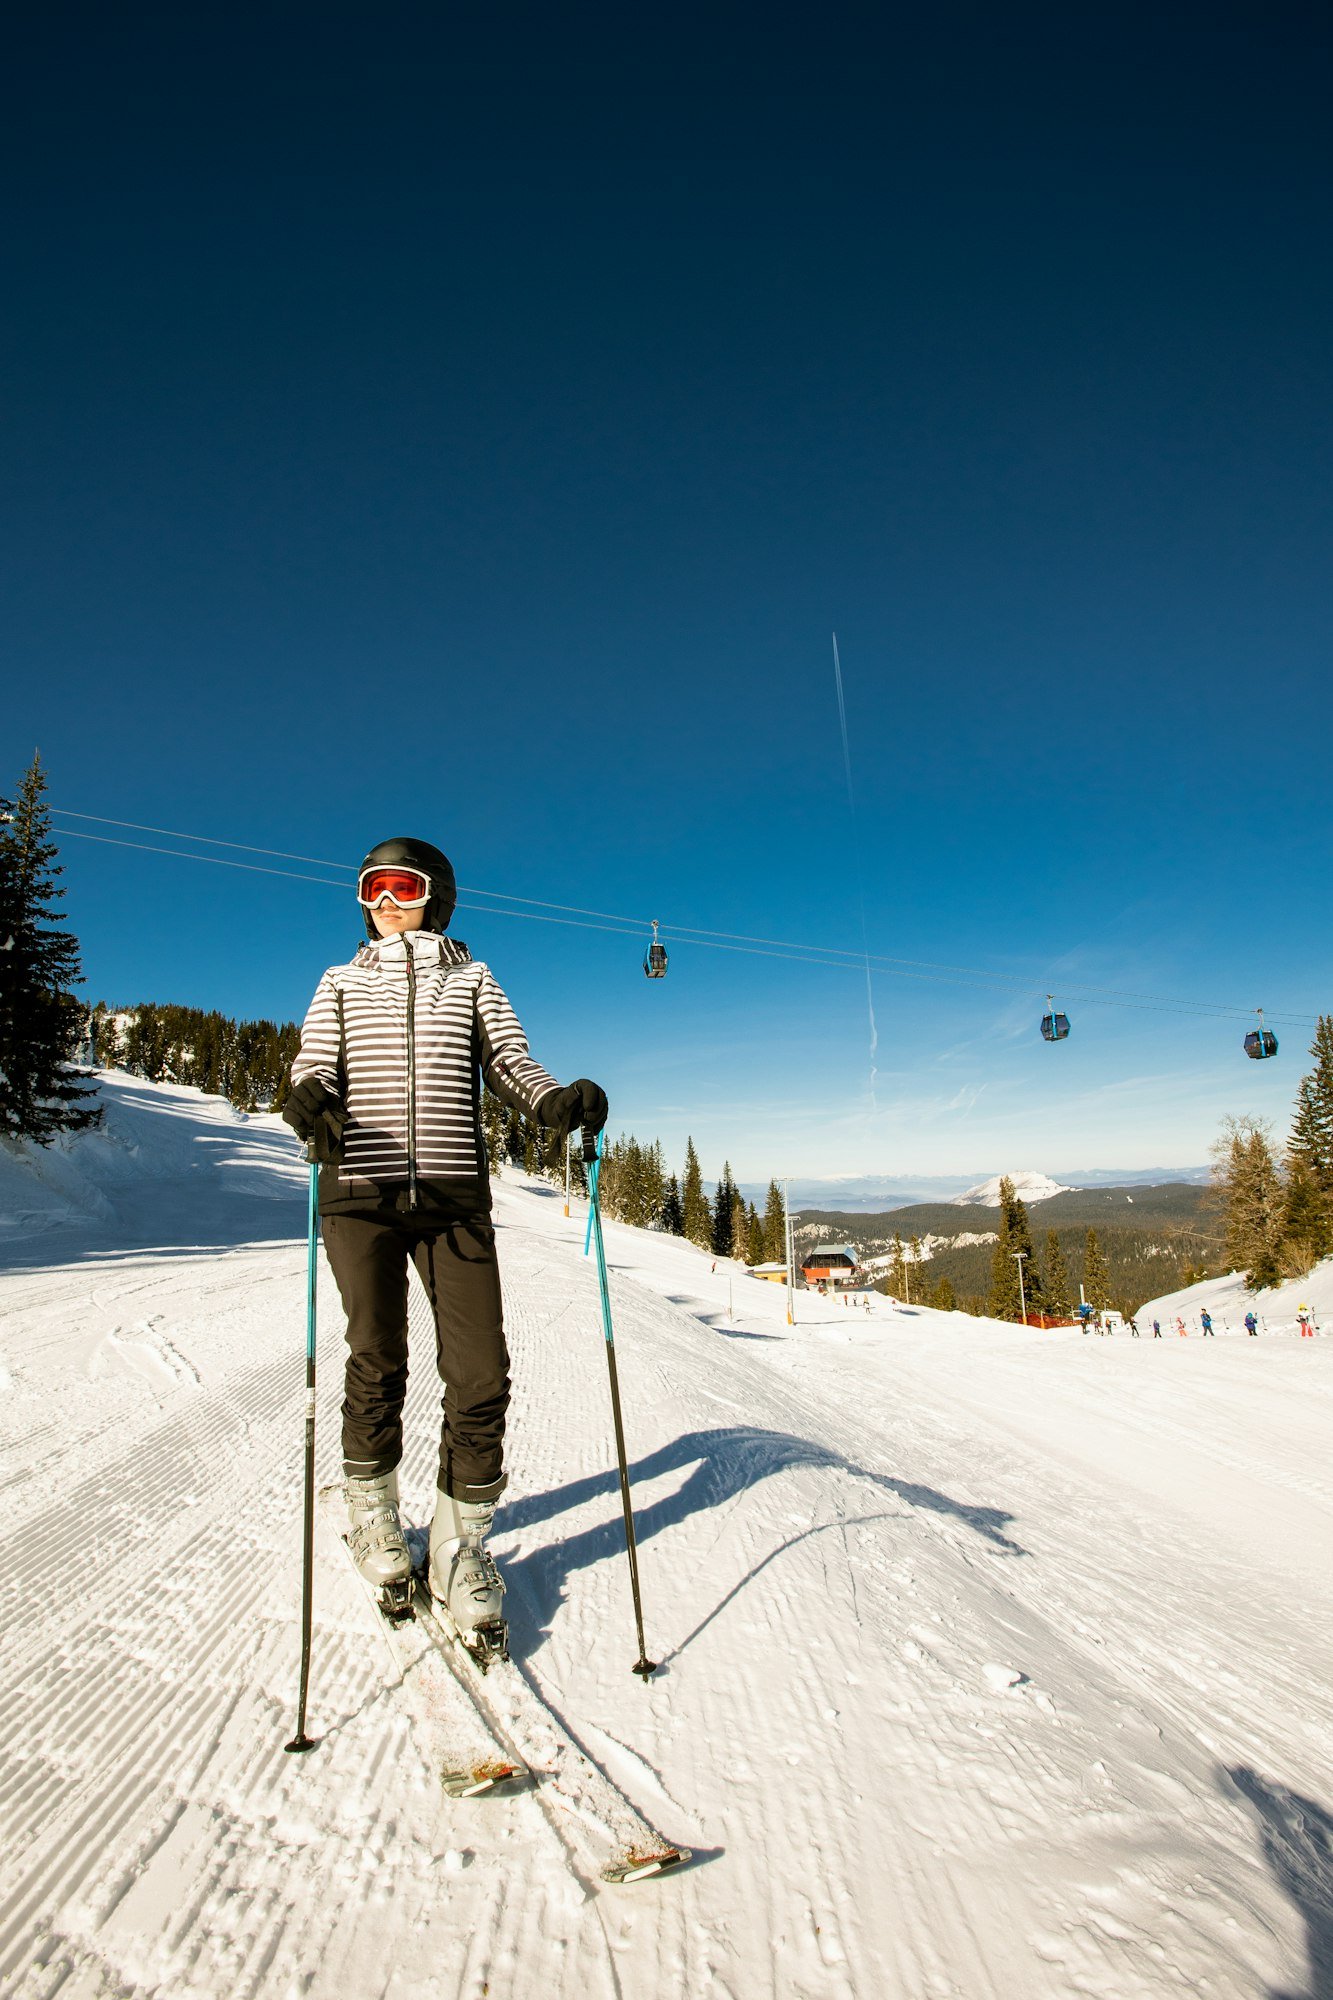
[[1180, 1328], [1133, 1327], [1305, 1321], [385, 1090], [1157, 1329], [1251, 1324], [1206, 1321]]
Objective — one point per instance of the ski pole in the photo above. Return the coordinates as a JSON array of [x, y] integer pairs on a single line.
[[592, 1155], [301, 1741]]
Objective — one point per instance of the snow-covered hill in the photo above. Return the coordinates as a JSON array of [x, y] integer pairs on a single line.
[[1227, 1301], [995, 1662], [1028, 1187]]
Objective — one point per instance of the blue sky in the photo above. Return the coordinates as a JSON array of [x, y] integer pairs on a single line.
[[406, 434]]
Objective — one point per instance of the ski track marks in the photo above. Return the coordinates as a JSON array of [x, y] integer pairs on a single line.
[[956, 1702]]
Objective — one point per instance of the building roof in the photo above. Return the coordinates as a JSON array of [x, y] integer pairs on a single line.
[[827, 1250]]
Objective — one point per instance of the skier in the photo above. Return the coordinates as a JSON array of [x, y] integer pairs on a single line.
[[385, 1092], [1157, 1329], [1180, 1328], [1251, 1324], [1206, 1321], [1133, 1327]]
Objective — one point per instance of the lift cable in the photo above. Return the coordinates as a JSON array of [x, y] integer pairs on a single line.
[[576, 915]]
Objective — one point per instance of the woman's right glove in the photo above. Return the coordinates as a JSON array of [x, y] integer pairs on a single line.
[[580, 1105], [318, 1118]]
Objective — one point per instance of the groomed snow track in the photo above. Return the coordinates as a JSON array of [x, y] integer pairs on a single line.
[[995, 1663]]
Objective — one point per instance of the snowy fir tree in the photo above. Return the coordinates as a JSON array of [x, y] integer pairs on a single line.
[[42, 1024], [941, 1296], [1055, 1274], [1007, 1297], [694, 1202]]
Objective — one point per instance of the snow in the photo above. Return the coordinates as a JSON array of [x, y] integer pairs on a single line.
[[994, 1661], [1228, 1301], [1028, 1187]]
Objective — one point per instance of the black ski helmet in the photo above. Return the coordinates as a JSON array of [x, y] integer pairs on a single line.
[[405, 852]]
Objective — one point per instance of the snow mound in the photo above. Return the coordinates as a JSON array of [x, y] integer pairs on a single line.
[[1028, 1187], [1227, 1301], [155, 1139]]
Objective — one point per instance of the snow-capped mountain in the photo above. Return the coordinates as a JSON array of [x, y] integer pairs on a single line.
[[1028, 1187]]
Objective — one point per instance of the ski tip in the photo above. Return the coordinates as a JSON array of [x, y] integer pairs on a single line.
[[638, 1867]]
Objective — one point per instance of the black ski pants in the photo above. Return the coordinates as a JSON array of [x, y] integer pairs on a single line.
[[458, 1267]]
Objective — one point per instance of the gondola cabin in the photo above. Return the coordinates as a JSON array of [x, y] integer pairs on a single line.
[[655, 958], [1054, 1027], [1261, 1041]]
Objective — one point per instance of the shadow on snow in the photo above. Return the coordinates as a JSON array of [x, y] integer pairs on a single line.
[[1296, 1837], [722, 1465]]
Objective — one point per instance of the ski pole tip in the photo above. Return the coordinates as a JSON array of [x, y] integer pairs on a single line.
[[300, 1742], [643, 1667]]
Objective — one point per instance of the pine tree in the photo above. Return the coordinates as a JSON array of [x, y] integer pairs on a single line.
[[673, 1215], [897, 1271], [740, 1226], [1056, 1276], [654, 1183], [754, 1236], [942, 1297], [724, 1196], [914, 1263], [1096, 1277], [1248, 1183], [1312, 1129], [1007, 1296], [1306, 1232], [1308, 1211], [775, 1227], [694, 1202], [41, 1021]]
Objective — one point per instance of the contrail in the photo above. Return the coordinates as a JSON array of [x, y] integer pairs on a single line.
[[860, 880]]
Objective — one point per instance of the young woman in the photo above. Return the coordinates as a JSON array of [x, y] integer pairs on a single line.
[[386, 1092]]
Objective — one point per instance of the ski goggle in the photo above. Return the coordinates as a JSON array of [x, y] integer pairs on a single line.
[[406, 888]]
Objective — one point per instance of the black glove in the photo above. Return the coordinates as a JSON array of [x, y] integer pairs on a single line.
[[318, 1118], [581, 1104]]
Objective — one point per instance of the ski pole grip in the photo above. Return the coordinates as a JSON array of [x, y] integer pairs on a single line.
[[589, 1147]]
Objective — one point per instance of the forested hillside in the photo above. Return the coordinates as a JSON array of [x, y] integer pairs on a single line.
[[1151, 1239]]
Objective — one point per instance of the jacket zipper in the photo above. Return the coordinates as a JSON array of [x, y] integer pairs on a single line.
[[411, 1076]]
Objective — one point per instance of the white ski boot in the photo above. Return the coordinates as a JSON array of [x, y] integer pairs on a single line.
[[375, 1538], [463, 1578]]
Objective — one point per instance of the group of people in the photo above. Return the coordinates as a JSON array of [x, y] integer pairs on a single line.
[[1305, 1320]]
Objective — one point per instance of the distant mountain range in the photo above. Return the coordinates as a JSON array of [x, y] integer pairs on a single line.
[[861, 1194]]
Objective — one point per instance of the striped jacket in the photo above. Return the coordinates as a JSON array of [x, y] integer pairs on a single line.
[[402, 1035]]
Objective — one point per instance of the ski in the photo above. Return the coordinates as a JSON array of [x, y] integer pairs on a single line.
[[610, 1837], [463, 1752]]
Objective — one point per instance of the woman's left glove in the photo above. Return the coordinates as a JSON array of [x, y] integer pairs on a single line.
[[580, 1106], [318, 1118]]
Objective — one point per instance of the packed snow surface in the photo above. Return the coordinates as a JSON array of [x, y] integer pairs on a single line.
[[1028, 1188], [995, 1662]]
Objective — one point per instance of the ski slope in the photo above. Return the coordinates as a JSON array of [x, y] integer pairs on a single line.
[[995, 1662]]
